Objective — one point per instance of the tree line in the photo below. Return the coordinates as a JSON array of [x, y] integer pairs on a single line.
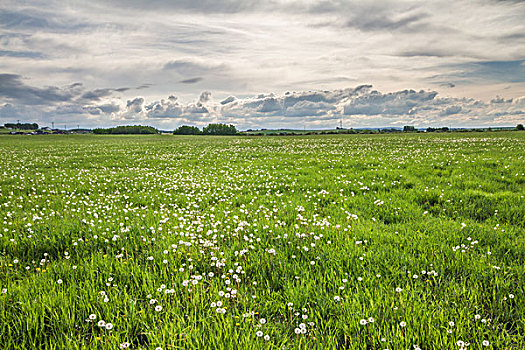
[[121, 130], [21, 126], [211, 129]]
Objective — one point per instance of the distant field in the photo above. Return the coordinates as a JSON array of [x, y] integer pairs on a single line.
[[405, 241]]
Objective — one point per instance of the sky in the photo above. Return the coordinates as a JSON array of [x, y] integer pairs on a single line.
[[263, 64]]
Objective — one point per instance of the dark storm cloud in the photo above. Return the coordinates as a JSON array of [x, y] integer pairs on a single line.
[[13, 88], [373, 22], [107, 108], [97, 94], [191, 80]]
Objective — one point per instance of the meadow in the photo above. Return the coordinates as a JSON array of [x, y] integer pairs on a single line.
[[405, 241]]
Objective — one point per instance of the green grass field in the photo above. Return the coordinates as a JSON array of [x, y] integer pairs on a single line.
[[406, 241]]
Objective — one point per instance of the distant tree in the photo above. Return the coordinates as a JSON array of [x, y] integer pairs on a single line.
[[219, 129], [443, 129], [187, 130], [130, 130], [22, 126], [520, 127], [408, 128]]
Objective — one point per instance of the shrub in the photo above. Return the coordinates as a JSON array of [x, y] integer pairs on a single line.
[[219, 129], [187, 130]]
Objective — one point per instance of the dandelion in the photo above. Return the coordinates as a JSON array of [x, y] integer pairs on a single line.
[[259, 334], [297, 331], [109, 326], [399, 289], [266, 337], [403, 324], [451, 324], [262, 321], [460, 343], [92, 316], [485, 343], [477, 317], [59, 281], [101, 323], [363, 322], [158, 308]]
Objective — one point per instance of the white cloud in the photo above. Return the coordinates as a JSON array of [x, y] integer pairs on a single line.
[[462, 49]]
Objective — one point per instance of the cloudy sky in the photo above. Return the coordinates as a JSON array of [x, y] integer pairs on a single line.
[[277, 63]]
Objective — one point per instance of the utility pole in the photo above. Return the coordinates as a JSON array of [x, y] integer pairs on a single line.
[[52, 125], [341, 123]]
